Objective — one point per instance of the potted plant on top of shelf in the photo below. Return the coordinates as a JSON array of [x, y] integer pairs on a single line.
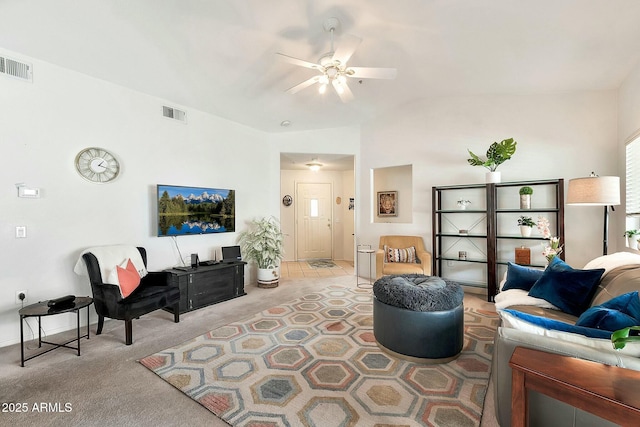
[[526, 225], [525, 197], [632, 236], [262, 243], [498, 153]]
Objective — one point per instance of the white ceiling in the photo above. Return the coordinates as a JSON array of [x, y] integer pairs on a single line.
[[219, 56]]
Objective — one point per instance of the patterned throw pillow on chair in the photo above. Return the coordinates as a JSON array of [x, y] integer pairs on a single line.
[[407, 255]]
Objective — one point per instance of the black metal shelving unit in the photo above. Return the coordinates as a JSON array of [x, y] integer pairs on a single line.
[[489, 237]]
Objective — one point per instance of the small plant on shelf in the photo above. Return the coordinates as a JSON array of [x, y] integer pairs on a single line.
[[526, 191], [526, 221], [632, 238], [526, 225], [525, 197], [462, 203]]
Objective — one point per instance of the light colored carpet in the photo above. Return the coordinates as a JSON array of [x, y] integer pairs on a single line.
[[107, 385], [314, 362]]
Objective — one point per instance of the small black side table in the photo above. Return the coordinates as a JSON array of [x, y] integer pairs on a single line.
[[41, 309]]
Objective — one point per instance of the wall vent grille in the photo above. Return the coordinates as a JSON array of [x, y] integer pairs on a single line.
[[16, 69], [174, 113]]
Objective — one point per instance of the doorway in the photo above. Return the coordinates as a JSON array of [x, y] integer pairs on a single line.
[[314, 221], [338, 173]]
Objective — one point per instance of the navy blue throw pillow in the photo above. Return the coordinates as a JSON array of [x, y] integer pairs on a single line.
[[569, 289], [628, 303], [519, 277], [617, 313]]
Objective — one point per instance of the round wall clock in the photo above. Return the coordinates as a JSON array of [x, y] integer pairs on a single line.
[[287, 200], [97, 165]]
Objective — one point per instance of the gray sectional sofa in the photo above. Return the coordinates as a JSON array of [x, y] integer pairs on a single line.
[[537, 323]]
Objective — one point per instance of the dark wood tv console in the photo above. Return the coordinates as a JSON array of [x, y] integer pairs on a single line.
[[206, 285]]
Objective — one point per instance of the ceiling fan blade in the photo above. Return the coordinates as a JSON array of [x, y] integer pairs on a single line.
[[372, 73], [304, 84], [348, 45], [343, 91], [299, 62]]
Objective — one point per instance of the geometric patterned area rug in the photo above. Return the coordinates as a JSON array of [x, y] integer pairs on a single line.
[[321, 263], [314, 362]]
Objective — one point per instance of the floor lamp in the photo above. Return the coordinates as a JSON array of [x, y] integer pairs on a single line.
[[596, 191]]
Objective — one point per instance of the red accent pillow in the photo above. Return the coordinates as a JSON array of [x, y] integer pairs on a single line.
[[128, 278]]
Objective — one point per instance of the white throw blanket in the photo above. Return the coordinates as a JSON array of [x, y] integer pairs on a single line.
[[109, 257], [520, 297], [609, 262]]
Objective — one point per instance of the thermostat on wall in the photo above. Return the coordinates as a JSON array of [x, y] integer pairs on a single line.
[[32, 193]]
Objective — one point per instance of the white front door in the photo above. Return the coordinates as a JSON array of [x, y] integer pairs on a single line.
[[314, 221]]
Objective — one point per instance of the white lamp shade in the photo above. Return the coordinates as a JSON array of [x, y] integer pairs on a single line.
[[594, 191]]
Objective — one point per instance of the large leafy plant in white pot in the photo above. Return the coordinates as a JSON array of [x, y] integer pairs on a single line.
[[497, 154], [261, 242]]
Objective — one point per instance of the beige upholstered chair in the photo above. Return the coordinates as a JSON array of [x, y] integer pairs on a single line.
[[422, 266]]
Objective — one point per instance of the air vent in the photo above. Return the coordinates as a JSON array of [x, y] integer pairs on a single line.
[[16, 69], [174, 113]]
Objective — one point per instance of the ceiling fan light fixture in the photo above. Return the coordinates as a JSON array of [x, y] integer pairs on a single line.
[[333, 69]]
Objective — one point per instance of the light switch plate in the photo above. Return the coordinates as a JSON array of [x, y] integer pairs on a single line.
[[21, 232]]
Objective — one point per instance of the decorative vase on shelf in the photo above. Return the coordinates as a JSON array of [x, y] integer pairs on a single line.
[[525, 231], [462, 204], [525, 201], [493, 177]]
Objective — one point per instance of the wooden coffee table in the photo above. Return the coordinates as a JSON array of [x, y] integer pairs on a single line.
[[607, 391]]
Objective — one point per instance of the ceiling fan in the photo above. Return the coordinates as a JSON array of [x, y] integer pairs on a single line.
[[333, 69]]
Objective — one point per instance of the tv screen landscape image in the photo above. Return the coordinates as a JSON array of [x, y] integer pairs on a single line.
[[195, 210]]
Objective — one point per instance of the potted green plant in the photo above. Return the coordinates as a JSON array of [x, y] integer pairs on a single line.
[[621, 337], [262, 242], [632, 238], [498, 153], [525, 197], [526, 225]]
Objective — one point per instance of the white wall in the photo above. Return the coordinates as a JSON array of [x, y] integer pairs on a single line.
[[629, 128], [558, 135], [399, 179], [348, 215], [45, 124]]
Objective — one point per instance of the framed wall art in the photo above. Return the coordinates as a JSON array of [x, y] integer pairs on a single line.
[[387, 203]]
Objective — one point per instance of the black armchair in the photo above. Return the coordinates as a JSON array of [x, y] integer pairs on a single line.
[[153, 293]]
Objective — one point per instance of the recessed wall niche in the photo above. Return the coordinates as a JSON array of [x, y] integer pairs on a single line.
[[392, 185]]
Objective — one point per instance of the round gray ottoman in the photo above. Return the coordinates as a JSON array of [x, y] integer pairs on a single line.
[[419, 317]]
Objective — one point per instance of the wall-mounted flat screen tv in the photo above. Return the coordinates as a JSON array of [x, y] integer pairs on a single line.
[[195, 210]]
